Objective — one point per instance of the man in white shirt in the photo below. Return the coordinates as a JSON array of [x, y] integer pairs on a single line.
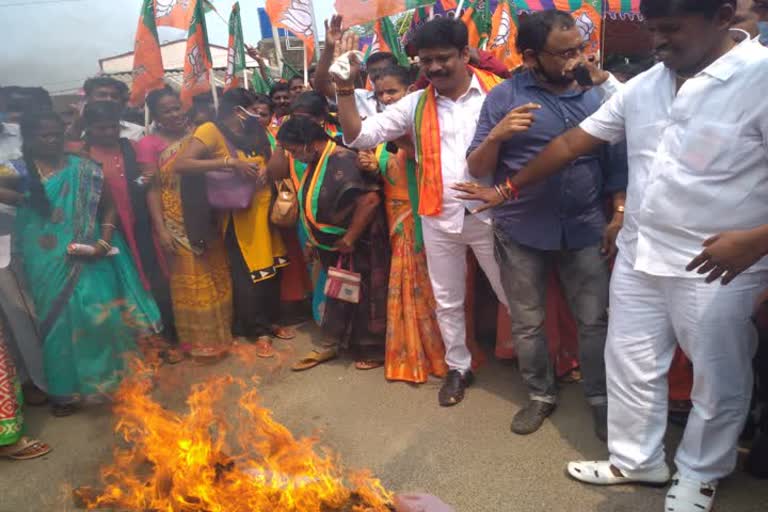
[[697, 131], [105, 88], [451, 228]]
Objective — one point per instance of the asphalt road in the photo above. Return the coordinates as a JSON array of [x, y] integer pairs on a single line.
[[466, 455]]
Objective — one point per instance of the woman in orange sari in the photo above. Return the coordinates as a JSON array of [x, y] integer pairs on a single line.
[[201, 294], [414, 347]]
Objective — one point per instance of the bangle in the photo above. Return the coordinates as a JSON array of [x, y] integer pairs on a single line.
[[345, 91], [512, 191], [108, 225], [104, 244], [620, 209], [226, 161]]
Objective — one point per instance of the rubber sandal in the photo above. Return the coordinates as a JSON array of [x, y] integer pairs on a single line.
[[283, 333], [368, 365], [314, 358], [264, 348], [600, 473], [687, 495], [25, 449]]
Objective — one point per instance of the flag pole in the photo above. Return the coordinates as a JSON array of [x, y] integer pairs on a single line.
[[306, 65], [245, 79], [278, 49], [214, 92], [458, 9], [146, 118]]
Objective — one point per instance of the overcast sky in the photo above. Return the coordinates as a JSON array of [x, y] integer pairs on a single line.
[[58, 43]]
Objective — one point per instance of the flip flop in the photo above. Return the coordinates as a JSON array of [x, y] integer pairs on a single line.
[[314, 358], [264, 348], [283, 333], [366, 365], [25, 449]]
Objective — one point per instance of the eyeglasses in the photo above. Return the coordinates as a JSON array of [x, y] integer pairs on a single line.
[[568, 54]]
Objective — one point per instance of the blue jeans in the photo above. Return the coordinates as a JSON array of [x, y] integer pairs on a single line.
[[584, 276]]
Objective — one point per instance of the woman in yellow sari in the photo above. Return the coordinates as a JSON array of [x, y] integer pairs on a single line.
[[201, 294], [414, 348], [236, 141]]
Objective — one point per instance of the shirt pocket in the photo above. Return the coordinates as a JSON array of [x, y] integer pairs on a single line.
[[714, 148]]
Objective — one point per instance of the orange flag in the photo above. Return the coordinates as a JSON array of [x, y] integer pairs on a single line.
[[198, 62], [504, 35], [298, 17], [173, 13], [147, 60]]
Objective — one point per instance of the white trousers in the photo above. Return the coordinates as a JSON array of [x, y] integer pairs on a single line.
[[649, 315], [447, 262]]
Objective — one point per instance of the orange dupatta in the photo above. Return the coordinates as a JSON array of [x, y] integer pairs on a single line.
[[427, 129]]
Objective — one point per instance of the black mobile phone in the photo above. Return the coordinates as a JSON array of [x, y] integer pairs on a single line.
[[582, 76]]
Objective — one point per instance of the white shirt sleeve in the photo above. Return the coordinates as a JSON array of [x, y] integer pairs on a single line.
[[608, 122], [610, 87], [394, 122]]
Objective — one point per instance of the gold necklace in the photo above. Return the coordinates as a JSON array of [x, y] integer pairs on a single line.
[[45, 171]]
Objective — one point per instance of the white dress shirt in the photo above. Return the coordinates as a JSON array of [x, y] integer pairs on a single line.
[[698, 157], [458, 120], [367, 106]]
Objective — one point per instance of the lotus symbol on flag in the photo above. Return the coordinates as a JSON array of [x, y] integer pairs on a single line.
[[198, 69], [585, 25], [298, 17], [164, 7], [504, 28]]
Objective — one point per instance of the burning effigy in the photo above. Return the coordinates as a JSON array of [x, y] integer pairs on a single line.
[[213, 458]]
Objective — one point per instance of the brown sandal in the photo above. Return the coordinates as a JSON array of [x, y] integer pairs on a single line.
[[283, 333], [264, 348], [25, 449], [366, 365], [314, 358]]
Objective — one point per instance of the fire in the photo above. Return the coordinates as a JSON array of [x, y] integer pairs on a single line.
[[211, 459]]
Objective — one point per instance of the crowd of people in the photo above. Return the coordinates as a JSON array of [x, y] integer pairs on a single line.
[[641, 203]]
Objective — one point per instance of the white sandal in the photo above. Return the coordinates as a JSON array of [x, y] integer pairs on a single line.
[[600, 473], [688, 495]]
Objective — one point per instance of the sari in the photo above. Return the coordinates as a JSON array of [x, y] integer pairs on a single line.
[[255, 248], [90, 311], [11, 398], [327, 195], [201, 292], [414, 346]]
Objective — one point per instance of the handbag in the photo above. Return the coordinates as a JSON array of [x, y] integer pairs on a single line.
[[285, 209], [342, 284], [229, 190]]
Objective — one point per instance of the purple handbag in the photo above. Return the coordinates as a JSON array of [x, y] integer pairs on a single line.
[[229, 190]]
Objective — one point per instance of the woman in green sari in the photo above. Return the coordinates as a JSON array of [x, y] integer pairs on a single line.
[[87, 294]]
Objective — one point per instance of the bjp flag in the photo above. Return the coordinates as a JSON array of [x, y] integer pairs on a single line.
[[236, 49], [147, 59], [385, 39], [357, 12], [197, 62], [477, 18], [298, 17], [177, 13], [504, 35]]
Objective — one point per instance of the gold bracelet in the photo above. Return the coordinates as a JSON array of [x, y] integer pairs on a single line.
[[104, 244], [345, 92], [620, 209]]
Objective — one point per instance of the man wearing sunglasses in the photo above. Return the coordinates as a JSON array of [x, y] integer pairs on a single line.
[[559, 225]]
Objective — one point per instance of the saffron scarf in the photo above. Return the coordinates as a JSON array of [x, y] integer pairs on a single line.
[[427, 142]]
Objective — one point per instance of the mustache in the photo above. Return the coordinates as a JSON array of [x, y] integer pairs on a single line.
[[437, 74]]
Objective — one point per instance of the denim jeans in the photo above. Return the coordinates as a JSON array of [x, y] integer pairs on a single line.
[[584, 276]]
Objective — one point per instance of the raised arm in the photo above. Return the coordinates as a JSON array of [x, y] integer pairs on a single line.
[[333, 33]]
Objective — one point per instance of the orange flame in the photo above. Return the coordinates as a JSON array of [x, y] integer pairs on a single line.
[[196, 462]]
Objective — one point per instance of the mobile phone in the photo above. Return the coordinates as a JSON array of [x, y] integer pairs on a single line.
[[582, 76]]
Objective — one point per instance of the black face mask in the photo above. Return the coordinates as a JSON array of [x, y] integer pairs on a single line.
[[252, 125]]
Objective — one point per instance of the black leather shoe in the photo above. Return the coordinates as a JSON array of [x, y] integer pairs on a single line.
[[530, 418], [453, 388], [600, 416]]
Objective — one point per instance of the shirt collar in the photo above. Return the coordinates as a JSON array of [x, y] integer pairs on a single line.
[[529, 81], [474, 85], [724, 67]]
